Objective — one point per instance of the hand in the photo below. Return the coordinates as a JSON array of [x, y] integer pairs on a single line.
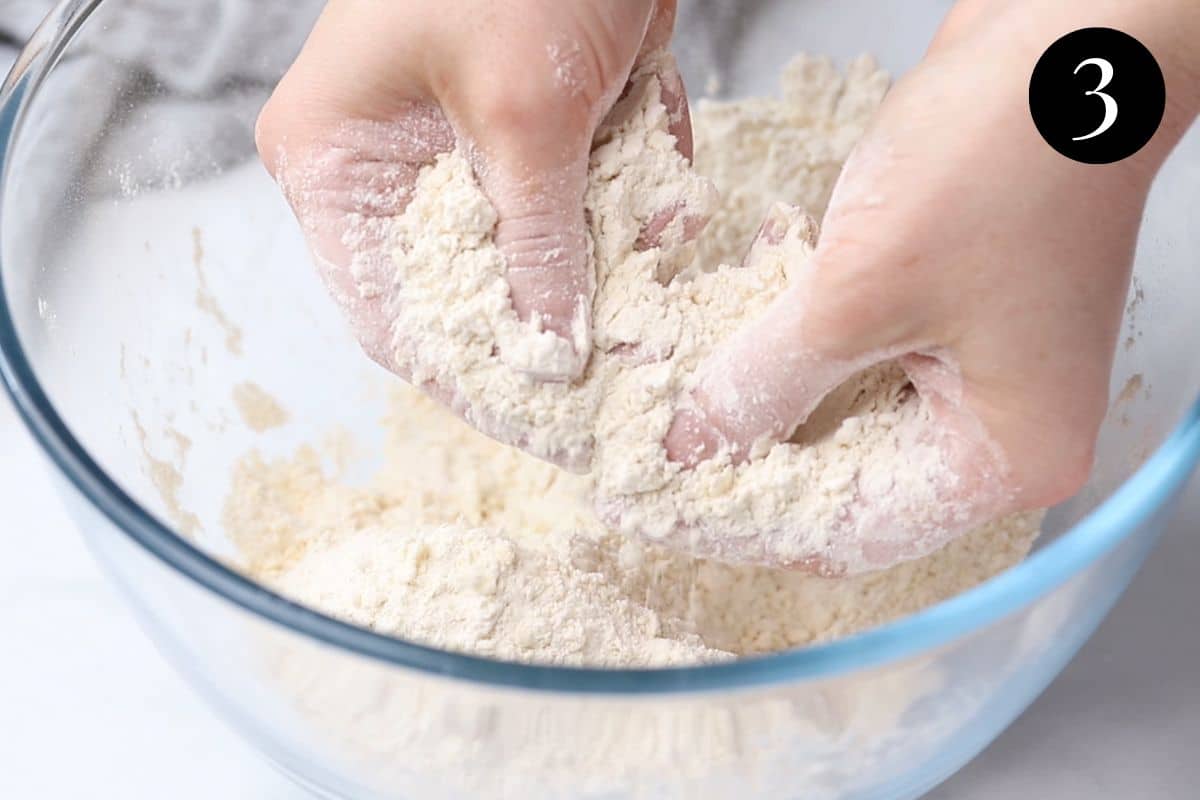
[[994, 269], [381, 88]]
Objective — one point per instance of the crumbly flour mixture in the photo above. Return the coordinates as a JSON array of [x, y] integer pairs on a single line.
[[468, 545], [465, 544], [658, 311]]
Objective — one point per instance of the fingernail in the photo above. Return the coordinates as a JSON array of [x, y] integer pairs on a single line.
[[548, 355], [674, 97], [782, 225], [691, 439], [784, 229], [661, 228]]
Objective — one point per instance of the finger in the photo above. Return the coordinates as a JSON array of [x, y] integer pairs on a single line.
[[655, 58], [674, 97], [674, 94], [661, 27], [766, 379], [536, 180], [672, 226], [656, 76], [543, 237], [755, 388], [528, 115]]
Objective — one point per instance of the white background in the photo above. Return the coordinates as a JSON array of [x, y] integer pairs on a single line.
[[89, 710]]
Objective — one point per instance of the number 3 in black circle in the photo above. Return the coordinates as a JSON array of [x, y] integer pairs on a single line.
[[1097, 95], [1110, 105]]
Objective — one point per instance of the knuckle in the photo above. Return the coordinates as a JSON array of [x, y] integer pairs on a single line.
[[528, 107], [268, 133], [610, 36], [534, 237], [286, 123], [572, 74]]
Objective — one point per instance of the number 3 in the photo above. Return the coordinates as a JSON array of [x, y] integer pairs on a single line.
[[1110, 105]]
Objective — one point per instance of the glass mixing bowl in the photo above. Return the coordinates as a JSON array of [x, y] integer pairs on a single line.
[[150, 268]]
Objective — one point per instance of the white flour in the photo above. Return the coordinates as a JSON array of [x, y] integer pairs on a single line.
[[790, 503], [472, 590], [468, 545]]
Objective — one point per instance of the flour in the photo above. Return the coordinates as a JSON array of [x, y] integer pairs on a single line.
[[464, 544], [761, 150], [473, 591], [859, 494], [258, 409]]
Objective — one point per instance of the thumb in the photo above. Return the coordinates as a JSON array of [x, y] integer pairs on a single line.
[[835, 319], [530, 153], [528, 116], [538, 196], [767, 378]]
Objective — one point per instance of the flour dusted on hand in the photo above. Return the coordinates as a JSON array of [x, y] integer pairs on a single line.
[[659, 310]]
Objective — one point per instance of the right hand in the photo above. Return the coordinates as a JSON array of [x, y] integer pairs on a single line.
[[381, 88], [993, 268]]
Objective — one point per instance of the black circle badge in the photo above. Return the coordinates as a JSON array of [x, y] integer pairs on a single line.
[[1097, 95]]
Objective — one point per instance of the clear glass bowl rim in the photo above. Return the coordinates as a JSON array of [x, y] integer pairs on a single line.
[[1119, 516]]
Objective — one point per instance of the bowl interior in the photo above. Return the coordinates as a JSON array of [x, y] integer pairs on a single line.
[[154, 273]]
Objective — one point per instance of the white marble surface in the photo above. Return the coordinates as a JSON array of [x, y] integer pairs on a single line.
[[89, 709]]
